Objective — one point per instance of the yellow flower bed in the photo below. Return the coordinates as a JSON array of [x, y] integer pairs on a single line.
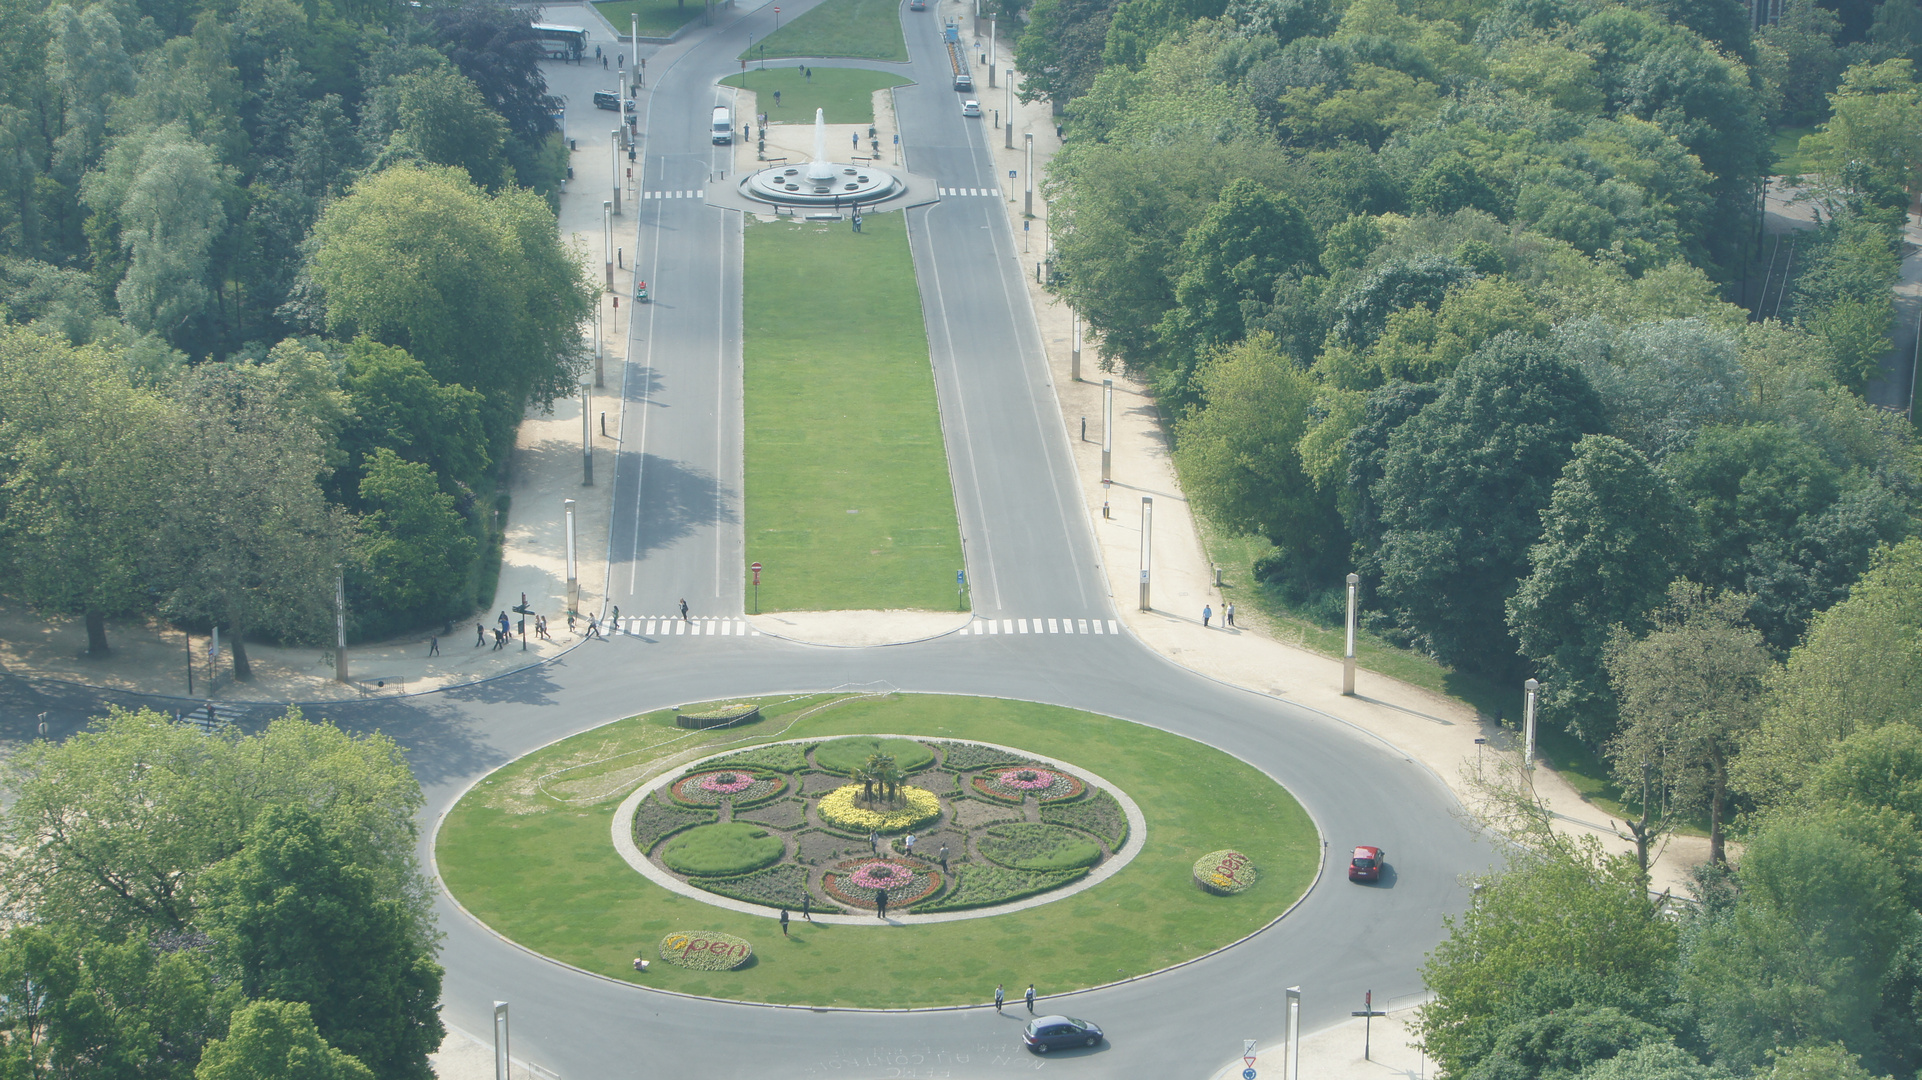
[[839, 808]]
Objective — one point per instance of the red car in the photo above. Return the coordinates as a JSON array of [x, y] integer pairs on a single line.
[[1365, 865]]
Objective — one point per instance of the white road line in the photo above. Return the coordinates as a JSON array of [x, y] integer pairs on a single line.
[[1023, 623], [1053, 627]]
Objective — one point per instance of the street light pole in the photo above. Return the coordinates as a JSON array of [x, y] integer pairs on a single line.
[[573, 575], [1107, 428], [1027, 203], [501, 1058], [1147, 546], [587, 444], [1009, 126], [1531, 690], [1348, 653], [614, 173], [1293, 1064], [1074, 351], [340, 624], [991, 55]]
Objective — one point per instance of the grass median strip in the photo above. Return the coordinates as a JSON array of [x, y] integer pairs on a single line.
[[862, 29], [659, 18], [848, 502], [845, 95], [544, 873]]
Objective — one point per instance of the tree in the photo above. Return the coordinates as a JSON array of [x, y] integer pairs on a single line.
[[1860, 668], [1613, 536], [438, 117], [1875, 767], [114, 827], [417, 548], [1564, 925], [1873, 137], [1691, 691], [393, 403], [1661, 382], [169, 211], [1561, 1044], [249, 541], [305, 921], [1237, 453], [276, 1039], [1820, 919], [477, 288], [1653, 1061], [1816, 1061], [1235, 256], [1061, 47], [1462, 489], [86, 471], [1797, 55]]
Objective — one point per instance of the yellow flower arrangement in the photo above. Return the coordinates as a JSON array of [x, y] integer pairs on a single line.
[[839, 808]]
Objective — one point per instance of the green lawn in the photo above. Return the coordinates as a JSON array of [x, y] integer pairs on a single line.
[[544, 873], [863, 29], [1788, 154], [659, 18], [846, 94], [848, 501]]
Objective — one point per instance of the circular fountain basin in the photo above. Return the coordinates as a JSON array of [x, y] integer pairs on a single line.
[[837, 184]]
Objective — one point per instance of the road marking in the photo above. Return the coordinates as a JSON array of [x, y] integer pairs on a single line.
[[1053, 628], [1023, 623]]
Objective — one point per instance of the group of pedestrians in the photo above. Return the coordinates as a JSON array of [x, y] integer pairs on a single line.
[[1227, 615], [504, 630], [1000, 995]]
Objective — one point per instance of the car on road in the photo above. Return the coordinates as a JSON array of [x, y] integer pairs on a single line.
[[1045, 1033], [970, 107], [1365, 864]]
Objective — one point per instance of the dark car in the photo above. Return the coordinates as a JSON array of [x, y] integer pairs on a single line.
[[1043, 1033], [1365, 865]]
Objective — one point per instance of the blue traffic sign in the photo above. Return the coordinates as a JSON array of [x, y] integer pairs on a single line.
[[1247, 1074], [960, 577]]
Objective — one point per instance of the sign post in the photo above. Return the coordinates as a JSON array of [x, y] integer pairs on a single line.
[[757, 587], [1369, 1011], [1248, 1059], [960, 587]]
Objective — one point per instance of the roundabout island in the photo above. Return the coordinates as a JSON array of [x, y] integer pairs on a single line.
[[1044, 841]]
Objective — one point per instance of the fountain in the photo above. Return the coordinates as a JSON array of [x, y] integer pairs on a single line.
[[821, 182]]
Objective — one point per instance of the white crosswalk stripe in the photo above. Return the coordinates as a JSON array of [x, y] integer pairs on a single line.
[[667, 626], [656, 628], [1042, 626], [955, 193]]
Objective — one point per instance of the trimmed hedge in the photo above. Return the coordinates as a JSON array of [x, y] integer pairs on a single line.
[[1097, 813], [1020, 845], [984, 886], [843, 756], [784, 885], [783, 757], [967, 757], [656, 820], [723, 850]]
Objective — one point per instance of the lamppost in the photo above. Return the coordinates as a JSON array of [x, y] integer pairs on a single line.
[[1293, 1063], [1147, 546], [587, 444], [1348, 653], [340, 625], [607, 237], [1027, 202], [1107, 428], [1009, 126], [614, 171], [501, 1059], [1074, 351], [1531, 690], [991, 56], [573, 575]]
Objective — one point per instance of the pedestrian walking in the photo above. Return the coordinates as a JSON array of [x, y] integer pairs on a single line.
[[944, 858], [597, 52], [1206, 614], [1228, 613], [683, 609], [570, 622], [603, 63], [807, 73], [480, 635], [910, 843], [614, 623], [433, 646], [874, 842], [998, 995], [807, 906], [1030, 997], [783, 921], [881, 904], [856, 137], [503, 622], [540, 628], [777, 99], [593, 629], [500, 640]]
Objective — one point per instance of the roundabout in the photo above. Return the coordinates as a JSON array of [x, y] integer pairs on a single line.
[[591, 849]]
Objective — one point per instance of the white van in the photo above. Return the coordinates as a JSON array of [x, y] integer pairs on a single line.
[[723, 125]]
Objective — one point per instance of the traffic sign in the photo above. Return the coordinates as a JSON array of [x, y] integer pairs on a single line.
[[960, 577], [1248, 1049], [1247, 1074]]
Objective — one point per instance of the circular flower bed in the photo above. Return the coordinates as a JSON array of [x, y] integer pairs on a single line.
[[710, 788], [842, 808], [705, 950], [1017, 783], [856, 881], [1225, 873]]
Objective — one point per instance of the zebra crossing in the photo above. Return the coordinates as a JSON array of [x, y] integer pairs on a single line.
[[673, 194], [657, 628], [959, 192], [1042, 626]]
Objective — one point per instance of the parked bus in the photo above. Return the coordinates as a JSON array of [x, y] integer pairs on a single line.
[[562, 42]]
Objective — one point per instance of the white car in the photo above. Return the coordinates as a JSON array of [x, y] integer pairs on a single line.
[[970, 107]]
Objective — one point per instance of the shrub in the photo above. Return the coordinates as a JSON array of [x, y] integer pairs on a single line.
[[777, 886], [985, 886], [843, 756], [722, 850], [1025, 846], [784, 814], [966, 757], [655, 820], [705, 950], [839, 808], [1225, 873], [1099, 814]]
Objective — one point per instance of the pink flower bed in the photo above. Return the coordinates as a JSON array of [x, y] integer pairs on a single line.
[[1017, 783], [855, 882]]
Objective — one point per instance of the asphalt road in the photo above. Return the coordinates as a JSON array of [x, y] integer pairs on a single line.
[[1030, 554]]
